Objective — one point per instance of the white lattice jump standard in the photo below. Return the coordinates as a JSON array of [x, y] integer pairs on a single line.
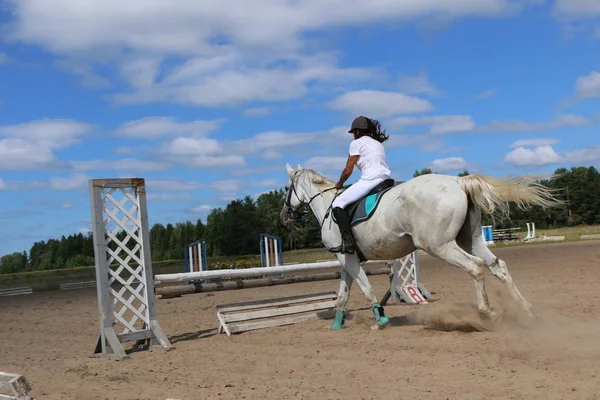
[[126, 292], [14, 387], [406, 285]]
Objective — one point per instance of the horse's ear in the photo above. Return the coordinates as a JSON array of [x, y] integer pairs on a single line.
[[289, 169], [300, 167]]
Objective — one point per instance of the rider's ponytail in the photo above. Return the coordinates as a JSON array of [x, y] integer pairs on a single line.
[[375, 131]]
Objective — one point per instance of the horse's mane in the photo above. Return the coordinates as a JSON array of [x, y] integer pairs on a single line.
[[322, 183]]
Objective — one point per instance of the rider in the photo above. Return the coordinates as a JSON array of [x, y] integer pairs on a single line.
[[368, 154]]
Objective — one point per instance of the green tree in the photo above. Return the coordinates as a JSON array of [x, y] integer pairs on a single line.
[[423, 171]]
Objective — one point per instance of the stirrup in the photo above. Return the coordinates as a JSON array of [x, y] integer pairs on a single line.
[[343, 248]]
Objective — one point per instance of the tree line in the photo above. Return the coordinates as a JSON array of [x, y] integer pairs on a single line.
[[234, 230]]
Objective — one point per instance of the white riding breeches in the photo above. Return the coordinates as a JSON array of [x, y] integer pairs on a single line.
[[356, 191]]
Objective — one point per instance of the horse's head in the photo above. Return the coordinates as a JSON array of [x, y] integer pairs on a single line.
[[295, 195], [304, 185]]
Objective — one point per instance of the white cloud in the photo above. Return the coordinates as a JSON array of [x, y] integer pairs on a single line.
[[267, 182], [231, 188], [26, 185], [163, 184], [233, 85], [418, 84], [184, 146], [128, 164], [19, 154], [155, 127], [51, 133], [325, 164], [141, 72], [376, 104], [561, 121], [84, 231], [270, 145], [448, 164], [3, 58], [541, 155], [154, 26], [3, 185], [32, 145], [246, 171], [75, 182], [215, 161], [588, 86], [534, 142], [123, 150], [168, 196], [590, 154], [441, 124], [202, 209], [577, 8], [229, 197], [89, 78], [227, 185], [257, 112], [66, 206], [210, 54], [486, 94]]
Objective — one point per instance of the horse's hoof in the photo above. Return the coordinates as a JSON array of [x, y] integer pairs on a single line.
[[338, 323], [382, 323], [335, 327], [489, 315]]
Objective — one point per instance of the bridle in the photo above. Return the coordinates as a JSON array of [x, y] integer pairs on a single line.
[[291, 211]]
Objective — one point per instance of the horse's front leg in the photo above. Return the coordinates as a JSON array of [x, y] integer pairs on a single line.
[[342, 300], [351, 264]]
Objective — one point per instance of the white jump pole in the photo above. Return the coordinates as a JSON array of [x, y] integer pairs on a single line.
[[237, 273]]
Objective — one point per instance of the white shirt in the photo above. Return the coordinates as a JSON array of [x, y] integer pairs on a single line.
[[372, 162]]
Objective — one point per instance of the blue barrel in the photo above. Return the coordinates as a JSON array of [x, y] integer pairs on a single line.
[[487, 233]]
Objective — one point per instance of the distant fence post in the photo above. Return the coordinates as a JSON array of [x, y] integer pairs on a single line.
[[488, 234], [195, 257], [271, 251]]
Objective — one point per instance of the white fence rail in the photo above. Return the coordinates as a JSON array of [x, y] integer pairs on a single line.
[[15, 291]]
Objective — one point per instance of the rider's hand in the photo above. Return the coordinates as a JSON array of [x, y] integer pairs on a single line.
[[339, 185]]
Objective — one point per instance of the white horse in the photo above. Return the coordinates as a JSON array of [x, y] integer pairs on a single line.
[[439, 214]]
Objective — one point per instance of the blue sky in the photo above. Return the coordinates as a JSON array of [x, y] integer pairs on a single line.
[[209, 100]]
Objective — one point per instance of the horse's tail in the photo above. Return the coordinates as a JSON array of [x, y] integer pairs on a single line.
[[493, 195]]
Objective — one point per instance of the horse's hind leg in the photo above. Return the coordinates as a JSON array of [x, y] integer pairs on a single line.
[[453, 254], [498, 267], [471, 239]]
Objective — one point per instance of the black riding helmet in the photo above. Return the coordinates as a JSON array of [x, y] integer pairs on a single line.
[[360, 123]]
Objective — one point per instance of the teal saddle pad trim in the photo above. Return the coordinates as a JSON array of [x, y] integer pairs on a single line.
[[364, 208]]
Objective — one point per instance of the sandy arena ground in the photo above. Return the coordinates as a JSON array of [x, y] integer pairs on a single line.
[[429, 351]]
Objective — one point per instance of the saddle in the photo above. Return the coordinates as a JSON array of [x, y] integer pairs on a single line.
[[363, 208]]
